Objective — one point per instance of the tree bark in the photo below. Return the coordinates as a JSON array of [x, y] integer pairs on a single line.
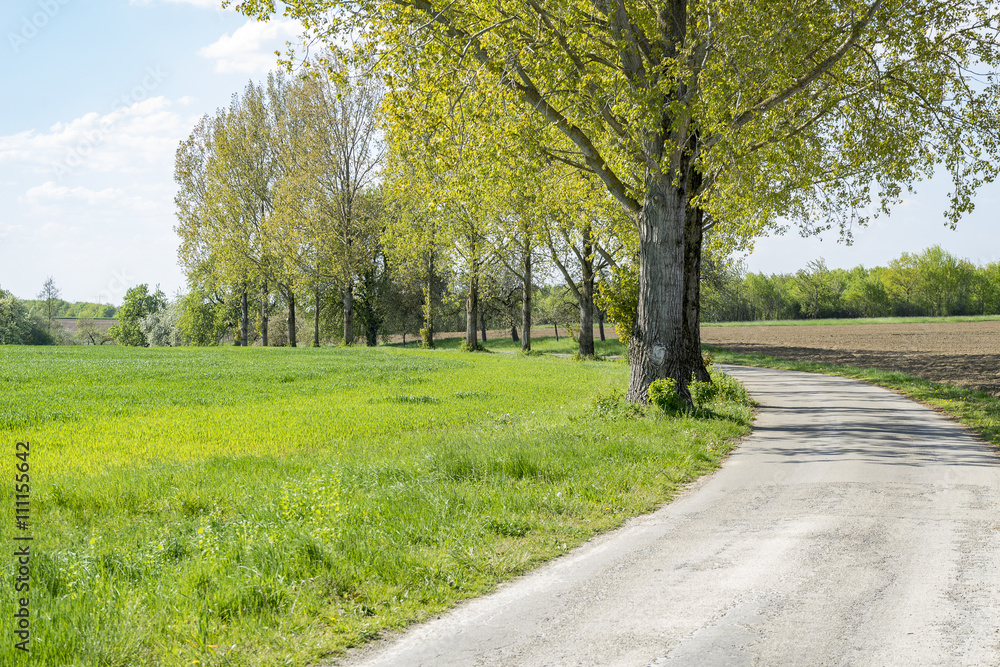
[[586, 295], [526, 302], [316, 320], [693, 235], [244, 318], [472, 313], [600, 323], [427, 332], [656, 349], [263, 316], [349, 314], [513, 333], [291, 318]]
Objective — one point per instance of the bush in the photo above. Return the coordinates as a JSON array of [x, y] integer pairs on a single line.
[[728, 388], [663, 394], [427, 338], [723, 388]]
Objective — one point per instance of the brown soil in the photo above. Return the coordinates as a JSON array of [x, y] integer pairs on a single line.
[[963, 354]]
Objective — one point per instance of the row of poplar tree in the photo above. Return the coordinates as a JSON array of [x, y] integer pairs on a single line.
[[316, 192]]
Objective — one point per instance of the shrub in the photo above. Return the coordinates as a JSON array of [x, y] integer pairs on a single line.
[[723, 388], [663, 394], [728, 388], [427, 338]]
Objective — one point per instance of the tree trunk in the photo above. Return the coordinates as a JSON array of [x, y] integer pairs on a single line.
[[316, 320], [291, 318], [349, 314], [472, 312], [263, 316], [693, 235], [482, 323], [513, 333], [526, 302], [244, 318], [586, 297], [600, 323], [371, 335], [555, 327], [587, 327], [656, 348], [427, 332]]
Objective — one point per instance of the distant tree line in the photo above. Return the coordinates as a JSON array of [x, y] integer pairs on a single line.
[[33, 321], [76, 310], [148, 318], [933, 282]]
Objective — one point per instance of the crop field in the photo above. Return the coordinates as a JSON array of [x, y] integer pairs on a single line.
[[231, 506], [958, 353]]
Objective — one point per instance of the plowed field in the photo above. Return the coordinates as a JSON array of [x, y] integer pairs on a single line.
[[963, 354]]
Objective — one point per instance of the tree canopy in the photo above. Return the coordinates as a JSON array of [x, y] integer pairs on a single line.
[[745, 110], [138, 304]]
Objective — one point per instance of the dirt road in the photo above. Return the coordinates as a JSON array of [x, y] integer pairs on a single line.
[[853, 527]]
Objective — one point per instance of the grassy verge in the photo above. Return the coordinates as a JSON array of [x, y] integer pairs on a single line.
[[858, 320], [274, 506], [978, 410]]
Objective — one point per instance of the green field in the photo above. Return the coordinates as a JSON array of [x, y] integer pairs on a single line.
[[233, 506]]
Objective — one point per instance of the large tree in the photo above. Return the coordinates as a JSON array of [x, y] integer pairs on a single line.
[[326, 228], [139, 303], [226, 172], [742, 109]]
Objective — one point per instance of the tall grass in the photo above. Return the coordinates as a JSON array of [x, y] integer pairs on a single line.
[[274, 506]]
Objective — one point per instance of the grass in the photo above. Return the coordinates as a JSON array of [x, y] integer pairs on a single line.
[[976, 409], [275, 506], [543, 344], [857, 320]]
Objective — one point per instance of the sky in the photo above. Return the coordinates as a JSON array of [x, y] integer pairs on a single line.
[[98, 94]]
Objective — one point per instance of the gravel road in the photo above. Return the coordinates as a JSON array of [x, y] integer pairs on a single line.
[[854, 527]]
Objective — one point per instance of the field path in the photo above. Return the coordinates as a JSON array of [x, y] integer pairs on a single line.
[[854, 527]]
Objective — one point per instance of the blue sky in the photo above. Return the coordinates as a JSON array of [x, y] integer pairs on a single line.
[[98, 93]]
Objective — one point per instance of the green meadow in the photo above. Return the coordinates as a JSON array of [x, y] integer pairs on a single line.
[[230, 506]]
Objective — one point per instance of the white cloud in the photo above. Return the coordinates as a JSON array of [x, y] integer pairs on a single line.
[[141, 137], [251, 47], [6, 229], [58, 202], [50, 191]]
